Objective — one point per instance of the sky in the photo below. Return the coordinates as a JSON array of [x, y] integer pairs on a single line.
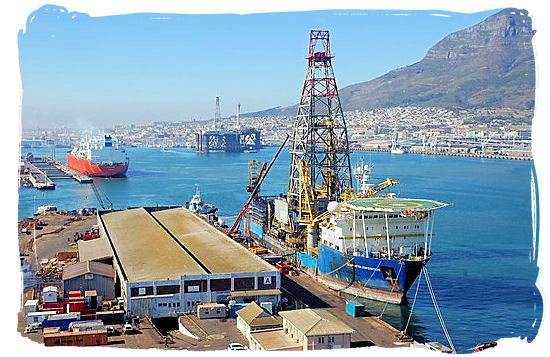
[[94, 72]]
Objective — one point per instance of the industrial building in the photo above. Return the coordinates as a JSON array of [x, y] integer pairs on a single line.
[[89, 275], [168, 260], [303, 330]]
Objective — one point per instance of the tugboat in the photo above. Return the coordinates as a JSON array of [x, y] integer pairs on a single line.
[[196, 205]]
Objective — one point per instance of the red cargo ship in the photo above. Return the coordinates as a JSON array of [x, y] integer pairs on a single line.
[[103, 160]]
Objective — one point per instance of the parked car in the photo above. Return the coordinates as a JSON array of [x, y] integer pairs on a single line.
[[236, 347], [34, 327]]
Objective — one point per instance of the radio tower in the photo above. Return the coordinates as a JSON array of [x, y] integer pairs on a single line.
[[217, 116], [320, 140]]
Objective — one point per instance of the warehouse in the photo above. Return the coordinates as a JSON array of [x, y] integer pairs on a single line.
[[169, 260], [89, 275]]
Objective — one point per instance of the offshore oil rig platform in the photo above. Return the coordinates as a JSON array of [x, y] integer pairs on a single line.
[[229, 140]]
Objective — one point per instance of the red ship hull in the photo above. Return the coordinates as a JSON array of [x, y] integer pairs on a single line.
[[96, 170]]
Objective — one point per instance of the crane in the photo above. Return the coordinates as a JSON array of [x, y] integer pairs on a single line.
[[261, 177], [373, 191]]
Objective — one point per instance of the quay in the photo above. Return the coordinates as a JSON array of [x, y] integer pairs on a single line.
[[186, 236], [72, 173], [41, 172], [445, 153], [37, 177], [369, 330]]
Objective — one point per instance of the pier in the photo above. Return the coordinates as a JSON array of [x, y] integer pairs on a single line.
[[42, 172], [446, 153]]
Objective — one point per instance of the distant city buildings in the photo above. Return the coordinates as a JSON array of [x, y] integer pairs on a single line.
[[492, 131]]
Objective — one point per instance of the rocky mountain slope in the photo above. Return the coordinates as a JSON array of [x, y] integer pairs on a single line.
[[488, 65]]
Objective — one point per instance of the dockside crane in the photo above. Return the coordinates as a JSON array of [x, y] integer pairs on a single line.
[[256, 187]]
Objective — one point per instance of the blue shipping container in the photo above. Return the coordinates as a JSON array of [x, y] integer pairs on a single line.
[[233, 309], [355, 309], [63, 324]]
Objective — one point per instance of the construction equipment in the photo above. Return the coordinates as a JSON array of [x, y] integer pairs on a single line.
[[256, 188], [374, 190]]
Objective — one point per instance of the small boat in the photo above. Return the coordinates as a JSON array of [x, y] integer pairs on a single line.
[[196, 205], [483, 346]]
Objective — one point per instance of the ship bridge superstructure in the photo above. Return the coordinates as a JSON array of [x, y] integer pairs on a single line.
[[381, 227]]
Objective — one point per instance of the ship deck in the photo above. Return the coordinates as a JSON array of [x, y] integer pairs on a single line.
[[393, 204]]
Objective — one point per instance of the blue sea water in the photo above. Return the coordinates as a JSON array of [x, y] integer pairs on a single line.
[[484, 266]]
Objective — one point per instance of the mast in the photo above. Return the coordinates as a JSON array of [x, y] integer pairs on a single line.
[[320, 135]]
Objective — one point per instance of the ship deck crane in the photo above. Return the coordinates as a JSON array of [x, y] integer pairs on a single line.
[[263, 174], [374, 190]]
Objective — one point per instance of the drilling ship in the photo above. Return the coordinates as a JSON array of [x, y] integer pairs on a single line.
[[361, 241], [99, 159]]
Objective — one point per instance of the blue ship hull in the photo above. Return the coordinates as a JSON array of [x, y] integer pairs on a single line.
[[373, 278], [386, 280]]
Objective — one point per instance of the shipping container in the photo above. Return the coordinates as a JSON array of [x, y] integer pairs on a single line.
[[38, 316], [61, 320], [91, 325], [355, 309], [111, 317], [54, 306], [86, 338], [234, 308], [30, 306]]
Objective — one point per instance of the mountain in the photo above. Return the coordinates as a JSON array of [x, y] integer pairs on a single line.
[[488, 65]]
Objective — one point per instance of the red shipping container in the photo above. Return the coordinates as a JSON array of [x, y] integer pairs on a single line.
[[75, 293], [58, 307], [75, 306]]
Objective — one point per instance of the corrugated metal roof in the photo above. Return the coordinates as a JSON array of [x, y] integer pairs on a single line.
[[87, 267], [146, 251], [250, 312], [313, 322], [254, 315], [94, 249], [219, 253], [274, 340]]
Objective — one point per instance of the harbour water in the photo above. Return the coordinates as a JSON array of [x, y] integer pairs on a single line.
[[484, 266]]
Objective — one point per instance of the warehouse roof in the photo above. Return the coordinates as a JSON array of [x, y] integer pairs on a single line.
[[217, 252], [313, 322], [87, 267], [94, 249], [145, 251]]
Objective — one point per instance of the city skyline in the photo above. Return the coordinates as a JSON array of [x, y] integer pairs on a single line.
[[84, 71]]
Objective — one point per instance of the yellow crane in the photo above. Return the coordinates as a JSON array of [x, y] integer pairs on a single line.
[[373, 191]]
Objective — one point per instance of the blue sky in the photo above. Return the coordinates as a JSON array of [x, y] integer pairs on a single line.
[[84, 71]]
